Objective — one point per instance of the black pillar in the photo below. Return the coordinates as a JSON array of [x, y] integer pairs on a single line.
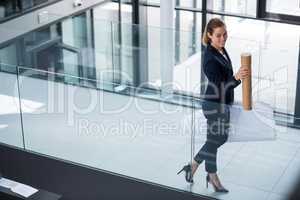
[[261, 8], [204, 21], [194, 33], [136, 43], [177, 34]]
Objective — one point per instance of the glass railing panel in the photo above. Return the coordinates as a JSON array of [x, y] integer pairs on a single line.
[[187, 70], [117, 131], [155, 137], [123, 133], [111, 52], [251, 152], [105, 62], [51, 129], [280, 76], [141, 55], [10, 111]]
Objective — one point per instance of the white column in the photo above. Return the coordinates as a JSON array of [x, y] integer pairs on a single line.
[[167, 45]]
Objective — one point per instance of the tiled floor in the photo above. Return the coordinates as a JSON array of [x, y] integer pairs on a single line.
[[255, 170]]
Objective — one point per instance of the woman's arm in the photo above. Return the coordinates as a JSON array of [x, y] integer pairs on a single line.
[[215, 76]]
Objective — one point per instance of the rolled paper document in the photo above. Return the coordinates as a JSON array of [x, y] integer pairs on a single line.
[[246, 83]]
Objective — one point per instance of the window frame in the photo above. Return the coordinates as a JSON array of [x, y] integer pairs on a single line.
[[262, 13]]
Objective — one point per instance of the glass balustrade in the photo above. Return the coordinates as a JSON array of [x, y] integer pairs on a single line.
[[116, 131], [10, 109]]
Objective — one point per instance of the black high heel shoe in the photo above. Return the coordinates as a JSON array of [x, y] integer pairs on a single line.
[[216, 188], [188, 173]]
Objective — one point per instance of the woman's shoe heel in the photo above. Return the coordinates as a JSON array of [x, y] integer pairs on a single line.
[[207, 180], [188, 173], [180, 170], [216, 189]]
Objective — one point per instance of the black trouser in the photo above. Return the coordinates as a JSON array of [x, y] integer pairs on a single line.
[[218, 118]]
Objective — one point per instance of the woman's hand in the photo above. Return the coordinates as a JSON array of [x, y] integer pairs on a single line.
[[242, 73]]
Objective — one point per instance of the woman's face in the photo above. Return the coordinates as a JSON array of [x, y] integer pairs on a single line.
[[218, 37]]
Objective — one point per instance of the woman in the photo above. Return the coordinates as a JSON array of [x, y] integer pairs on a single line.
[[218, 97]]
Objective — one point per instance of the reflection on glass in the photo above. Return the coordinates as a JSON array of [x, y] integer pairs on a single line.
[[10, 116]]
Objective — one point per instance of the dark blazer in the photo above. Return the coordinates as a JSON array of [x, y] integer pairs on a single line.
[[218, 71]]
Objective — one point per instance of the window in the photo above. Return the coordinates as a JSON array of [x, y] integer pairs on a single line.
[[291, 7], [182, 3], [190, 3], [242, 7]]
